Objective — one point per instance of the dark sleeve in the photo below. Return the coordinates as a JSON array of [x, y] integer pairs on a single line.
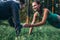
[[15, 11]]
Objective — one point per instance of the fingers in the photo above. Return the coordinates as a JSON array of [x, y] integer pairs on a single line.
[[25, 25]]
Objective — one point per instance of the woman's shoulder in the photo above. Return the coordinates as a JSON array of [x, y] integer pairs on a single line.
[[45, 9], [36, 13]]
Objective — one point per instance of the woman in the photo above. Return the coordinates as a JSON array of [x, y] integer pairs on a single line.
[[45, 15]]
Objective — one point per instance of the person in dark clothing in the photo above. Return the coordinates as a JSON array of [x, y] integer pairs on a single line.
[[9, 10]]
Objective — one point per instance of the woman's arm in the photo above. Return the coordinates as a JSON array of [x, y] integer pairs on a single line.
[[33, 21], [41, 22], [45, 14]]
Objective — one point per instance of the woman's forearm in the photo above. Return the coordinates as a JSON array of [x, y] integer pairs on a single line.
[[37, 24], [34, 25]]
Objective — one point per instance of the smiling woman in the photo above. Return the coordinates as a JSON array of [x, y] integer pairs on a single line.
[[45, 15]]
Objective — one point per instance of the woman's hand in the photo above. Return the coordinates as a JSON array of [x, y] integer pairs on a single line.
[[26, 25]]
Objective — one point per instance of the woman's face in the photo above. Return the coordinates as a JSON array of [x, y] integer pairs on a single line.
[[35, 6]]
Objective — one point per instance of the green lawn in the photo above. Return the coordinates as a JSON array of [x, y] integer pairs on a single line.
[[46, 32]]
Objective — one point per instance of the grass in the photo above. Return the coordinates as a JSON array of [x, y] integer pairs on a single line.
[[46, 32]]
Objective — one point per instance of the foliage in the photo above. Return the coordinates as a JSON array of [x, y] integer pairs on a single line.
[[45, 32]]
